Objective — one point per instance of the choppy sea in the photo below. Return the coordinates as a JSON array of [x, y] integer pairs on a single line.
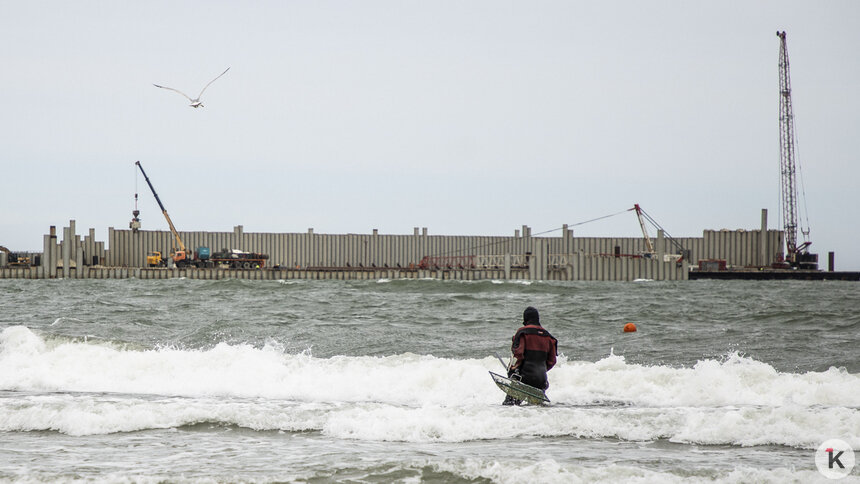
[[387, 381]]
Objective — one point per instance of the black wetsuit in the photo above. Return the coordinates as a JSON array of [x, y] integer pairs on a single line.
[[535, 352]]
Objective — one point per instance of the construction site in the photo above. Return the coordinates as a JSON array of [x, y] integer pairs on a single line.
[[741, 254], [746, 253]]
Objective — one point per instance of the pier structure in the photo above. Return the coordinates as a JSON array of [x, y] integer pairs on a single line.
[[310, 255]]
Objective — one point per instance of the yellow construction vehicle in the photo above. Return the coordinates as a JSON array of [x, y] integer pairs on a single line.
[[14, 259], [154, 259]]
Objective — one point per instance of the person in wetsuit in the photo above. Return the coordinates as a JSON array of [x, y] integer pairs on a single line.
[[534, 351]]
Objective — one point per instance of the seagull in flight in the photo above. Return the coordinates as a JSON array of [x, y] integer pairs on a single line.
[[196, 102]]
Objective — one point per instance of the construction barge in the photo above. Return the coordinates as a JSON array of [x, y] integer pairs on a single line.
[[767, 274]]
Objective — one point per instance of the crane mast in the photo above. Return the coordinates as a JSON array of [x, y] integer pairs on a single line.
[[787, 158]]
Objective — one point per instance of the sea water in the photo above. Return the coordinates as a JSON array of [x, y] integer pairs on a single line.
[[387, 381]]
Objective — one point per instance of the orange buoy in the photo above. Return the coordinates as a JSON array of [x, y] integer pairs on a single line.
[[629, 328]]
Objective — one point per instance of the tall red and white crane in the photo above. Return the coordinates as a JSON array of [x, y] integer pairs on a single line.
[[795, 254]]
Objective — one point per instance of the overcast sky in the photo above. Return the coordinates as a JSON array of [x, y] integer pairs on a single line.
[[465, 117]]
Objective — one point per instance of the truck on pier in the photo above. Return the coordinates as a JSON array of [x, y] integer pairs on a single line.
[[232, 259], [203, 258]]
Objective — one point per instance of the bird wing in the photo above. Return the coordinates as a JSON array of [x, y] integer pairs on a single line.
[[176, 90], [210, 82]]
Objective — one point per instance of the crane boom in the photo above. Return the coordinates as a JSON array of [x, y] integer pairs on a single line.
[[787, 159], [648, 245], [164, 211], [642, 215]]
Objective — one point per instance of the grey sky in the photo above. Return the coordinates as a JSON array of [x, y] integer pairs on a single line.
[[466, 117]]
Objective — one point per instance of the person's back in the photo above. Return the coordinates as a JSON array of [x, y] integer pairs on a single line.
[[534, 351]]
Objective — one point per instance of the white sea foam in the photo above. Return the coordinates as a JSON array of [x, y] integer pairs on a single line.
[[546, 471], [96, 388], [737, 380], [549, 471]]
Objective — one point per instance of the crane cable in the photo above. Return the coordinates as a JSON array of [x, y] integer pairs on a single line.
[[539, 233], [585, 222], [802, 188]]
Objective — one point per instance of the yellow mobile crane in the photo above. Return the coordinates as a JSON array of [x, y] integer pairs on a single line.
[[180, 257]]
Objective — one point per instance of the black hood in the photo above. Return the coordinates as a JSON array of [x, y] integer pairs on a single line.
[[531, 316]]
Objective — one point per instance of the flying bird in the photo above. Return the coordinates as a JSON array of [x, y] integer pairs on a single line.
[[196, 102]]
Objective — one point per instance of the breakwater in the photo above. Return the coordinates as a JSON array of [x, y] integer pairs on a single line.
[[260, 274], [597, 269], [355, 256]]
